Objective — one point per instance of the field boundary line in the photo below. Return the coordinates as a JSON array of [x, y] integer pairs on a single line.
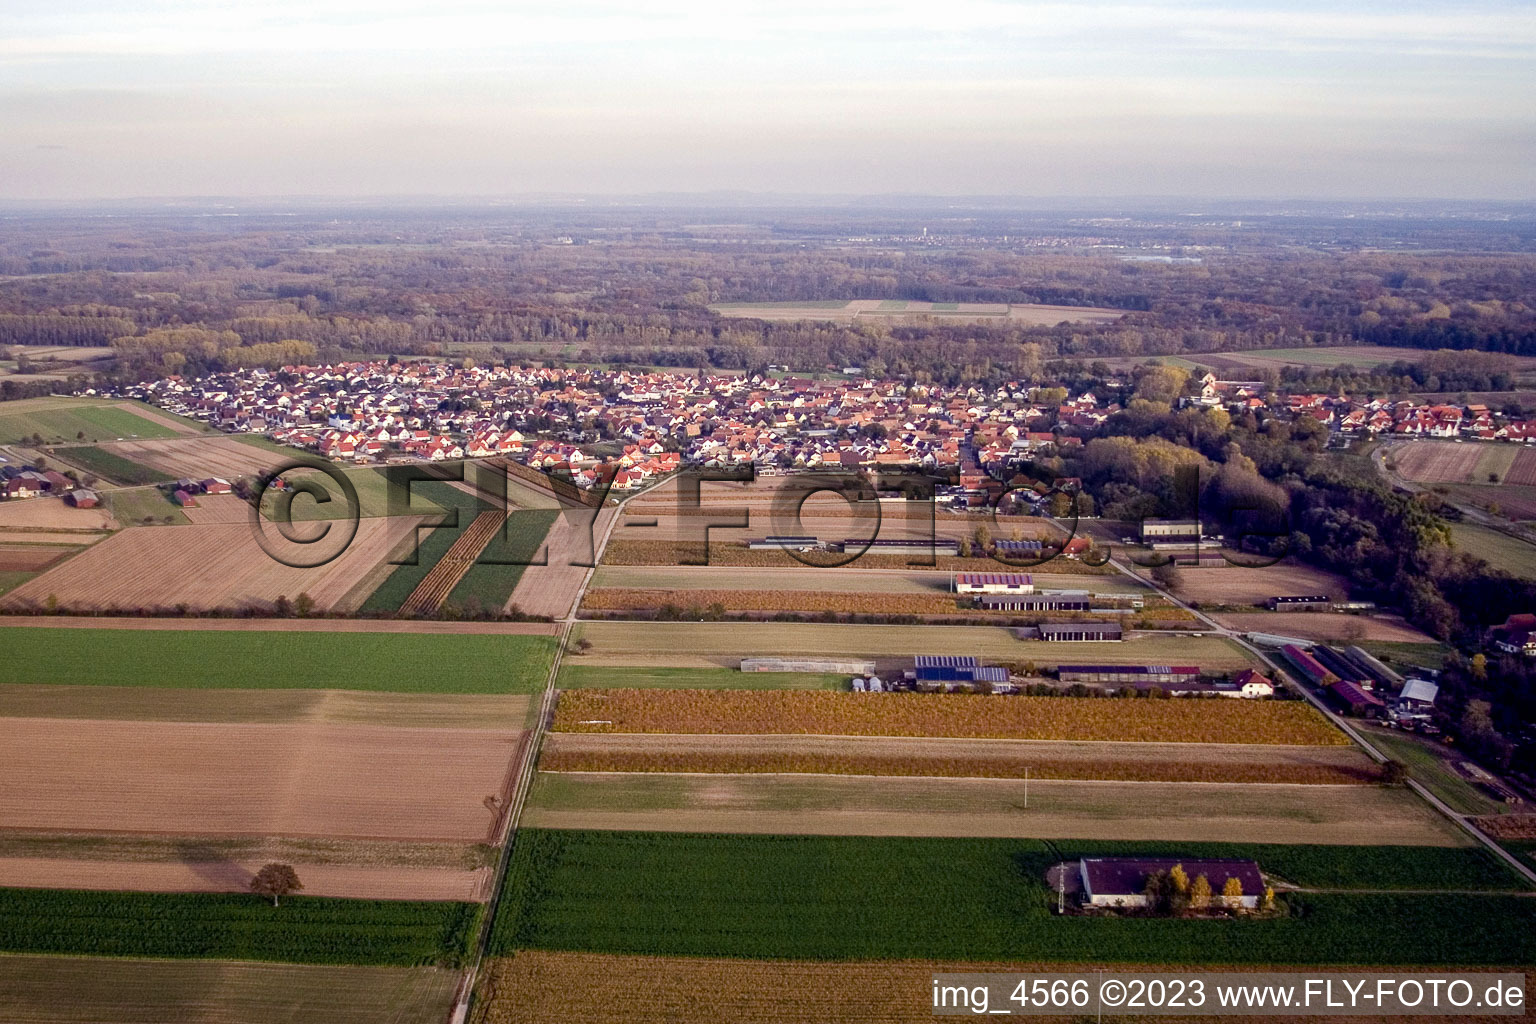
[[1033, 780]]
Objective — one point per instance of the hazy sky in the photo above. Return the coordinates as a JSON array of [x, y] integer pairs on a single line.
[[106, 98]]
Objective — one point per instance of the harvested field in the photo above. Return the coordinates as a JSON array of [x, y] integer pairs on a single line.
[[846, 580], [110, 467], [998, 759], [218, 508], [1508, 500], [357, 781], [344, 880], [1327, 626], [52, 514], [1500, 550], [1229, 584], [814, 712], [984, 808], [1522, 471], [91, 990], [200, 457], [724, 644], [1509, 826], [628, 599], [30, 557], [456, 561], [918, 311], [570, 546], [538, 987], [208, 567], [1435, 461], [335, 707]]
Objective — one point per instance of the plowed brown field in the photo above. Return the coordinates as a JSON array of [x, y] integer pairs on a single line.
[[52, 514], [29, 557], [321, 779], [1435, 461], [200, 457], [207, 567]]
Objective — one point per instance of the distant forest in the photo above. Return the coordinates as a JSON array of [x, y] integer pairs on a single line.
[[173, 292]]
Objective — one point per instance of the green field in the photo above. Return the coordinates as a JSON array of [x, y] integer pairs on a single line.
[[839, 898], [490, 585], [11, 580], [277, 659], [403, 579], [372, 496], [1500, 550], [574, 675], [90, 990], [231, 927], [132, 507], [111, 466], [64, 420], [1432, 772]]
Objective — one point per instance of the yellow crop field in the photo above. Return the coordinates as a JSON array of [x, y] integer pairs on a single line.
[[943, 715]]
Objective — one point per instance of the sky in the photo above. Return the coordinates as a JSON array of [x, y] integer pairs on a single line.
[[134, 98]]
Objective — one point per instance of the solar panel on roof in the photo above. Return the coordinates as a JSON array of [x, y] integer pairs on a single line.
[[945, 661]]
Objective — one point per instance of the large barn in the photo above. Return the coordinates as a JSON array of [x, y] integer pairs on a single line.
[[1081, 632], [1122, 881]]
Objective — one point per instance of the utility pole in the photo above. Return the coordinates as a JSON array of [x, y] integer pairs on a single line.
[[1061, 888], [1026, 787]]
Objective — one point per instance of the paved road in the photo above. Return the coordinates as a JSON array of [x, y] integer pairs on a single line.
[[1346, 727], [530, 756]]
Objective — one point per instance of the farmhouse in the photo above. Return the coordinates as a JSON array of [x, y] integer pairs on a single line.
[[994, 583], [1517, 635], [1303, 603], [1080, 632], [1057, 601], [1122, 881]]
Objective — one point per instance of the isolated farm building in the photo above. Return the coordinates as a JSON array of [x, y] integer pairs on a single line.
[[994, 583], [1369, 664], [1018, 548], [1170, 530], [1122, 881], [1300, 603], [183, 499], [1128, 675], [214, 485], [840, 666], [1058, 601], [1310, 668], [82, 498], [1080, 632], [1253, 683], [1517, 635], [929, 546], [1355, 700], [1418, 695], [783, 544]]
